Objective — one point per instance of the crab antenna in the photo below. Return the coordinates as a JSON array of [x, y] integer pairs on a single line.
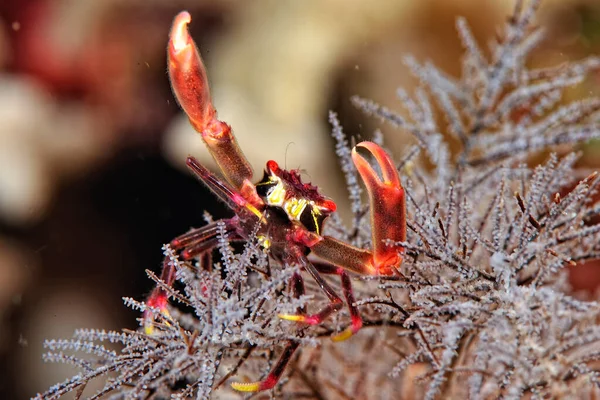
[[190, 86]]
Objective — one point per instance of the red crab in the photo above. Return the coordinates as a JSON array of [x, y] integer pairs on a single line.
[[290, 213]]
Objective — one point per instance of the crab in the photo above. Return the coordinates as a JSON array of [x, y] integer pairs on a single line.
[[288, 214]]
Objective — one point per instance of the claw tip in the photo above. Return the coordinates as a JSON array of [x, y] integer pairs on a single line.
[[148, 329], [179, 34], [292, 317], [246, 387], [344, 335]]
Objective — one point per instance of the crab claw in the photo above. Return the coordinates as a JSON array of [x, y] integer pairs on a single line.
[[190, 86], [388, 206], [188, 75]]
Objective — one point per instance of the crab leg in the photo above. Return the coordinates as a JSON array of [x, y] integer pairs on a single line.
[[271, 380], [190, 86], [236, 200], [297, 284], [335, 302], [201, 240], [159, 297], [192, 244], [204, 239], [356, 320]]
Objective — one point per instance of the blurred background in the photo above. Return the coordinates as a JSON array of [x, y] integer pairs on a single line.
[[92, 144]]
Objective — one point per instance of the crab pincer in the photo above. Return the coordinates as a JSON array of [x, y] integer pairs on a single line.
[[190, 86], [388, 207]]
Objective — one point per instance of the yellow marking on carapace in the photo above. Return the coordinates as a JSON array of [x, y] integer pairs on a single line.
[[315, 212], [276, 195], [268, 182], [246, 387], [294, 207]]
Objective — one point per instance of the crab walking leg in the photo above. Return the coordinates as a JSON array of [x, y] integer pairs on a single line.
[[201, 240], [335, 302], [297, 284], [230, 196], [271, 380], [191, 244], [356, 320], [159, 297], [190, 86]]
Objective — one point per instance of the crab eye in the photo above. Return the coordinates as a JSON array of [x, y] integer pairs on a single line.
[[312, 219]]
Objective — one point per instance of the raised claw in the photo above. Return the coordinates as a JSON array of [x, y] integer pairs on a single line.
[[190, 86], [388, 206], [188, 75]]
